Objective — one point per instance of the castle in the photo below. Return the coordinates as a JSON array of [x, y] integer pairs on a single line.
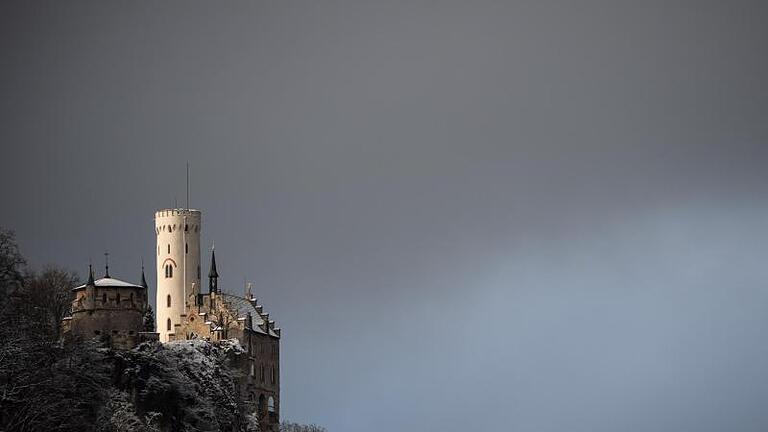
[[115, 311]]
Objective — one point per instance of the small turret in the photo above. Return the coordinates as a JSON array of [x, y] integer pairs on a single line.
[[143, 279], [90, 282], [213, 275], [106, 265], [144, 284], [90, 290]]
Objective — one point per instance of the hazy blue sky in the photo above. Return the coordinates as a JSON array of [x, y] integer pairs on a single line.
[[466, 216]]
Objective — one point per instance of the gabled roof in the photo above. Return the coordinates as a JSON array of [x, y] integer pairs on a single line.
[[243, 307], [110, 282]]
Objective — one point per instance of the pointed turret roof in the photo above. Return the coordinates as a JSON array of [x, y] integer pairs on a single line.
[[213, 273], [90, 276], [143, 279]]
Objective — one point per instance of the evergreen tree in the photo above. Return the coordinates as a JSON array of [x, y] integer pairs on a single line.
[[149, 319]]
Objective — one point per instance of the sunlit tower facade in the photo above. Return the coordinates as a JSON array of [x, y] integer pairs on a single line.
[[178, 265]]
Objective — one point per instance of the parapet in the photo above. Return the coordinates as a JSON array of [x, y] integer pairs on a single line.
[[169, 212]]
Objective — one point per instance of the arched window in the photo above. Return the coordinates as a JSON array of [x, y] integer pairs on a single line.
[[261, 372], [253, 368], [271, 404], [168, 300], [168, 324], [104, 298], [170, 270], [272, 375], [262, 402], [186, 227], [117, 298]]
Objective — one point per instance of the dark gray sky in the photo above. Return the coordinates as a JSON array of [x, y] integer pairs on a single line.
[[523, 216]]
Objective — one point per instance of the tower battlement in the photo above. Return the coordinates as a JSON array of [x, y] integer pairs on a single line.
[[176, 212]]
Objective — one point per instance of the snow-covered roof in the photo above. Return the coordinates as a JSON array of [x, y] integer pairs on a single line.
[[111, 282], [243, 307]]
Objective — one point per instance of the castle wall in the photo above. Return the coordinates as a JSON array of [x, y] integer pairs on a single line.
[[97, 313]]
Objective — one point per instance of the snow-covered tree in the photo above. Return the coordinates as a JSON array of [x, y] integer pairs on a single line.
[[148, 320]]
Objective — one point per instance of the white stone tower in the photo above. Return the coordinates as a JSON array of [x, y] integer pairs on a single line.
[[178, 265]]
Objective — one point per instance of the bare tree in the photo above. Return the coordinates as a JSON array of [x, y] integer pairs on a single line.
[[12, 264], [48, 299]]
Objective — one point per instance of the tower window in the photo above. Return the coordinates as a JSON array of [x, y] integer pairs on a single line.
[[104, 298], [169, 271], [117, 298], [272, 374], [168, 324], [186, 228], [169, 248], [198, 272], [168, 300], [186, 247]]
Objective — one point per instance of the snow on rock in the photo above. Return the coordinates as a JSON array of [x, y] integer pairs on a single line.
[[189, 383]]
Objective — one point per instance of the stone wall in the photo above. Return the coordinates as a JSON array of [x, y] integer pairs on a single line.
[[113, 315]]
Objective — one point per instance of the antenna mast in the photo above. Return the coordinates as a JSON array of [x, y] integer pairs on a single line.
[[187, 185]]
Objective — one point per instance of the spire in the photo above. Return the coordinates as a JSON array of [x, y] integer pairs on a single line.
[[143, 279], [213, 275], [90, 276], [106, 264]]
